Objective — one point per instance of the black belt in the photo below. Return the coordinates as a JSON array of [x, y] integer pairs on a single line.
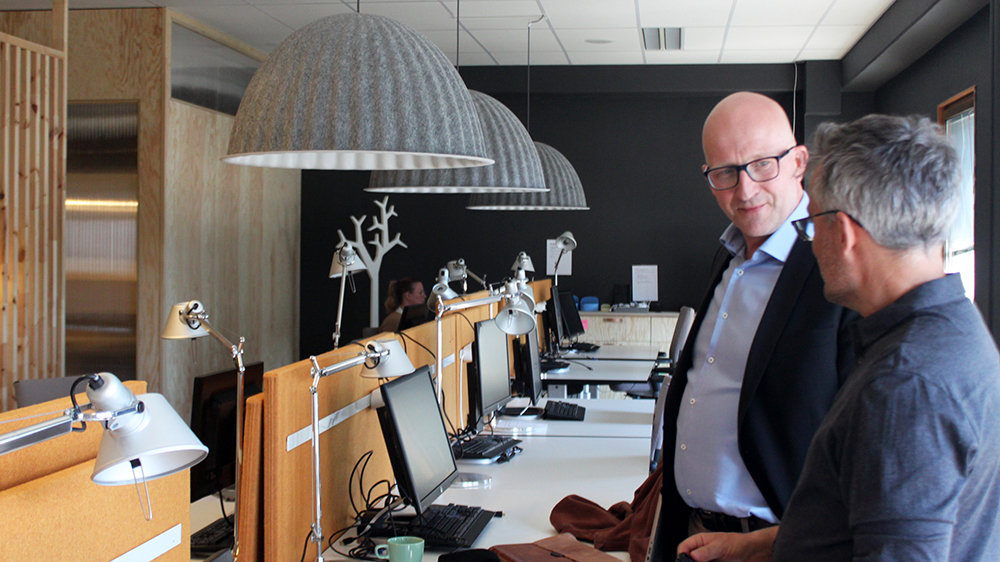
[[722, 523]]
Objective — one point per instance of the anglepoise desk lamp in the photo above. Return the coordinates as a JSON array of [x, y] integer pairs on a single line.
[[523, 261], [188, 320], [565, 243], [345, 263], [144, 438], [460, 272], [381, 359], [441, 289]]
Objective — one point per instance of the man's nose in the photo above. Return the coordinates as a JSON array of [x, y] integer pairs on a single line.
[[746, 187]]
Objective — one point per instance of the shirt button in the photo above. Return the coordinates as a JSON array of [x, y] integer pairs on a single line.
[[711, 360], [692, 401], [725, 315], [684, 447], [739, 272], [688, 492]]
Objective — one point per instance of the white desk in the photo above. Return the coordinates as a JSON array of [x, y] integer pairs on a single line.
[[647, 353], [629, 419], [548, 469], [601, 372]]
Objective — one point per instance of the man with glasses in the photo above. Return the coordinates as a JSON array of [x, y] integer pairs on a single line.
[[767, 352]]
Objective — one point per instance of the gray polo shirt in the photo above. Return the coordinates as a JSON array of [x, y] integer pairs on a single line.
[[906, 465]]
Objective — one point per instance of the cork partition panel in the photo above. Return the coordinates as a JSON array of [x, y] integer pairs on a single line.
[[55, 454], [65, 510], [251, 483]]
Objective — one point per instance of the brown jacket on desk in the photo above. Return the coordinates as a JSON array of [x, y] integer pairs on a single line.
[[623, 526]]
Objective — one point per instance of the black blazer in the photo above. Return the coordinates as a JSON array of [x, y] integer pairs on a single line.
[[798, 360]]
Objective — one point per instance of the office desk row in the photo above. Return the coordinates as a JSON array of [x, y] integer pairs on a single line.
[[603, 458]]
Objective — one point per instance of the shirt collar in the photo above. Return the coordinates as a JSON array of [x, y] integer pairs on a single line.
[[867, 331], [779, 244]]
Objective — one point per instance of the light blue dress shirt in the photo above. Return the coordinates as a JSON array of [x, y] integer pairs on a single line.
[[708, 468]]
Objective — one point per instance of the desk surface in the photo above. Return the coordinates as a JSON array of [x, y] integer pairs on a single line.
[[601, 372], [632, 419], [646, 353]]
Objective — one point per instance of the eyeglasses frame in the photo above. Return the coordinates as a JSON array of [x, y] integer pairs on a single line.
[[745, 168], [801, 226]]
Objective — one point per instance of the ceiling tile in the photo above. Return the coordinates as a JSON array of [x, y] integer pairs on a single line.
[[760, 38], [422, 16], [621, 39], [835, 36], [302, 15], [684, 13], [523, 9], [823, 54], [569, 14], [445, 40], [773, 13], [682, 57], [476, 59], [537, 59], [499, 41], [622, 57], [702, 38], [769, 56], [856, 12]]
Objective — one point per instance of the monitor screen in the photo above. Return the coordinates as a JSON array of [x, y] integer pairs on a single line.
[[414, 315], [572, 324], [554, 318], [489, 372], [213, 420], [416, 439], [529, 368]]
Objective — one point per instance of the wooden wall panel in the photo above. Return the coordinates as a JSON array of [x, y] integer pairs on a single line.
[[231, 241], [32, 195]]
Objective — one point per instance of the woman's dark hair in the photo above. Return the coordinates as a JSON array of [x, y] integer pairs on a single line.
[[398, 288]]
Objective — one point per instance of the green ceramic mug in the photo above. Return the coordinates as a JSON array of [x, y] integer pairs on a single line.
[[401, 549]]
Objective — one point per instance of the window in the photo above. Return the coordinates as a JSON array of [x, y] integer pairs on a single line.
[[958, 117]]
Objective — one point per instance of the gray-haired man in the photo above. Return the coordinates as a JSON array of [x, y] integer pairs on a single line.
[[906, 464]]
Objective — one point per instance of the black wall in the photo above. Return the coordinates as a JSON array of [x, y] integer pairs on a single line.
[[960, 61]]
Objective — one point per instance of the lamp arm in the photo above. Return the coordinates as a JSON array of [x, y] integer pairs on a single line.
[[440, 312], [56, 427], [476, 278]]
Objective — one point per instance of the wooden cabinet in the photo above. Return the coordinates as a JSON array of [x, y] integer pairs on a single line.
[[619, 328]]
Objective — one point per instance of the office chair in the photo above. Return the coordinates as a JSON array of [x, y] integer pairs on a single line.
[[664, 366], [35, 391], [665, 370]]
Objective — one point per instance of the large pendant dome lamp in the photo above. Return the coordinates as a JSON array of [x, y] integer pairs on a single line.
[[517, 168], [357, 92], [565, 190]]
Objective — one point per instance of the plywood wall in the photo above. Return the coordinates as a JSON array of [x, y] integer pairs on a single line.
[[231, 241], [32, 196]]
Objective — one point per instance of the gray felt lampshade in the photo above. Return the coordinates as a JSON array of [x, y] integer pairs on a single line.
[[517, 168], [357, 92], [565, 190]]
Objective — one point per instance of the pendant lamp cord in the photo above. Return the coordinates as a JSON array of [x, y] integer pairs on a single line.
[[527, 120], [458, 30], [359, 6]]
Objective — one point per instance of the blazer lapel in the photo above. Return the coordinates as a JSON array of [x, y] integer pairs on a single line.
[[783, 298]]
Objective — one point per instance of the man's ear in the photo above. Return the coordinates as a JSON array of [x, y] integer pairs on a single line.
[[800, 155], [849, 232]]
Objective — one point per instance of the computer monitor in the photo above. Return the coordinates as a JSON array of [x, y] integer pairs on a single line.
[[414, 315], [489, 373], [415, 437], [528, 368], [213, 420], [554, 320], [572, 324]]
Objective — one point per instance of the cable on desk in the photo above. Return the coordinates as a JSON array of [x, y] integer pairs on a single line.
[[407, 336]]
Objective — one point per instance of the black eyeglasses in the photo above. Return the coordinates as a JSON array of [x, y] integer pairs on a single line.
[[759, 170], [805, 229]]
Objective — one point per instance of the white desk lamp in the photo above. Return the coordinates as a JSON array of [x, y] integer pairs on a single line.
[[345, 263], [387, 359], [460, 272], [188, 320], [441, 289], [523, 261], [565, 243], [144, 438]]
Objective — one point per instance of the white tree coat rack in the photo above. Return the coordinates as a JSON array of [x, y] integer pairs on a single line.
[[382, 245]]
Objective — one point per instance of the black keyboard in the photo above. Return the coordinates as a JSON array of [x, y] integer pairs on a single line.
[[584, 346], [483, 447], [563, 411], [441, 526], [551, 365], [218, 535]]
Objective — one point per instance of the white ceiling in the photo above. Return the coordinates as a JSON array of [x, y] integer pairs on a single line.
[[579, 32]]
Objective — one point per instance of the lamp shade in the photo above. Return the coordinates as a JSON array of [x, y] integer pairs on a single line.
[[162, 443], [565, 190], [178, 327], [345, 259], [357, 92], [566, 242], [523, 261], [517, 168], [516, 317], [395, 364], [457, 270]]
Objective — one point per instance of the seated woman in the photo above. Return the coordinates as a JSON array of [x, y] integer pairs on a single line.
[[402, 293]]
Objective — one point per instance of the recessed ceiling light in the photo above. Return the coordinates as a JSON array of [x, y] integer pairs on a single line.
[[662, 38], [598, 41]]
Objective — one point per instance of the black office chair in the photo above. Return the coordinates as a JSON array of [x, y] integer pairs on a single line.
[[665, 370]]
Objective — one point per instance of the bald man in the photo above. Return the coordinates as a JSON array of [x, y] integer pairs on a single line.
[[767, 352]]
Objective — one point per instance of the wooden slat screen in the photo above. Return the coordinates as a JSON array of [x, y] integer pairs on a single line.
[[32, 203]]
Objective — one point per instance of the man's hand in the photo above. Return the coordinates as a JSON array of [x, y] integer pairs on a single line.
[[730, 547]]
